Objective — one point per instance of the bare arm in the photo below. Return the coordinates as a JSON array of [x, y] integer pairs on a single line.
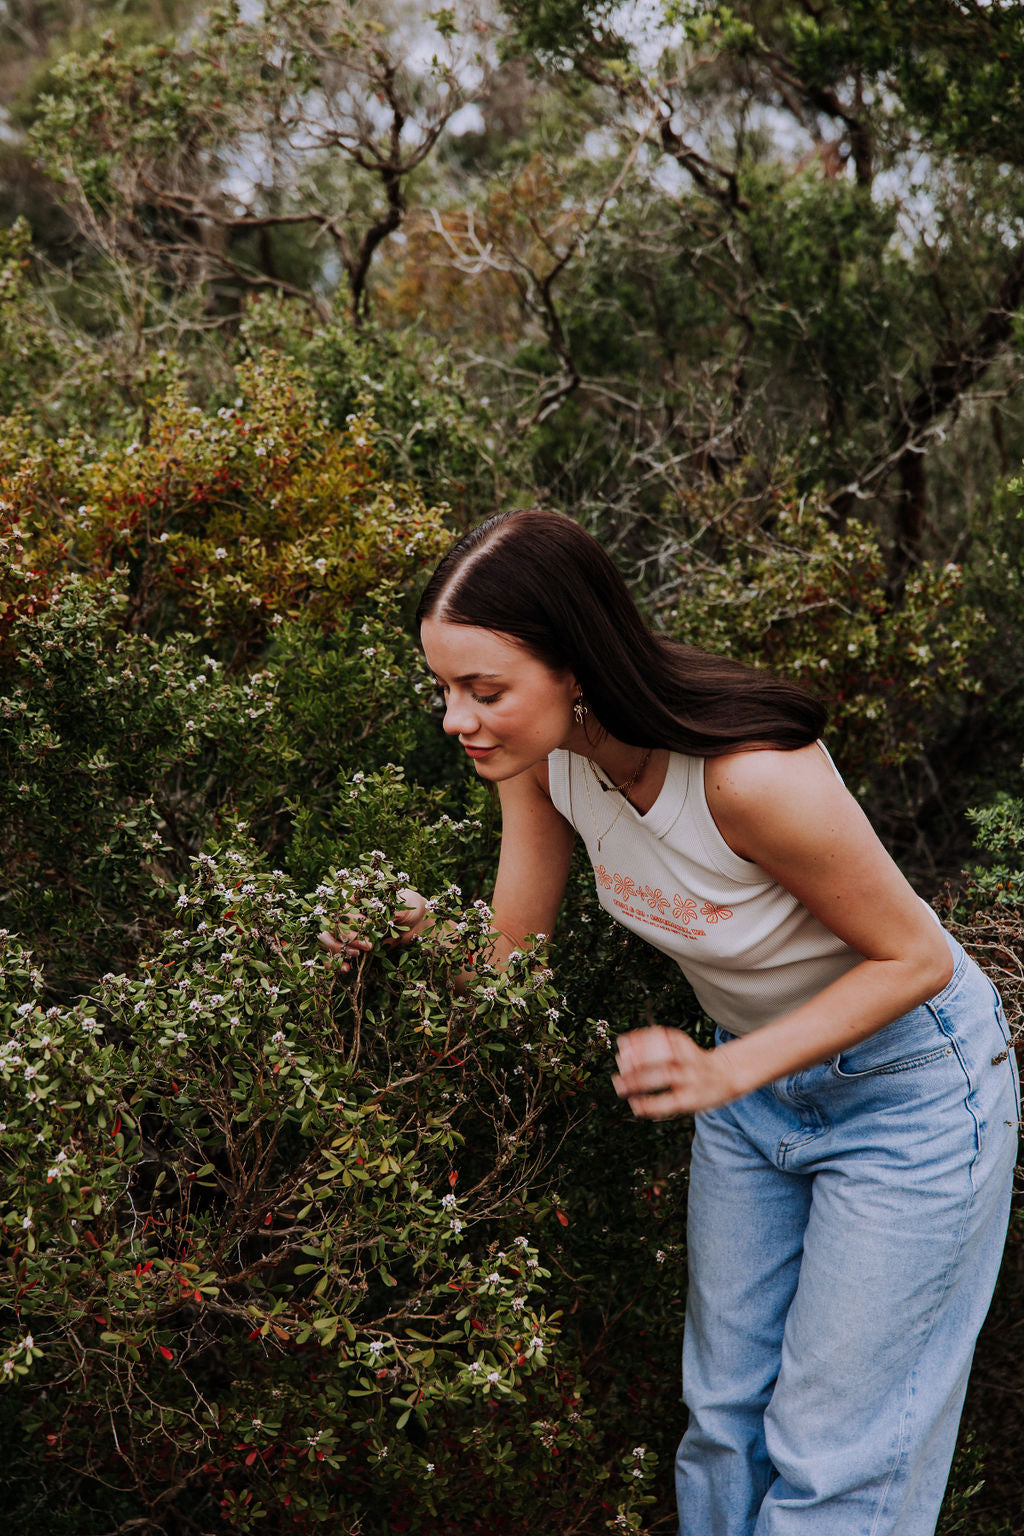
[[788, 813]]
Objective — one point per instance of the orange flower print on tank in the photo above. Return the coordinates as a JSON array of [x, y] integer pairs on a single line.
[[603, 877], [712, 913], [624, 886], [684, 909], [655, 899]]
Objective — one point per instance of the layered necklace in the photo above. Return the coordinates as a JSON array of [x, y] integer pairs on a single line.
[[620, 789]]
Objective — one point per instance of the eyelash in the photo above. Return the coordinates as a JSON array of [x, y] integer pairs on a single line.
[[491, 698]]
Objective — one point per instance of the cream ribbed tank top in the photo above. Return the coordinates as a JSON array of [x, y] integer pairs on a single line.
[[748, 948]]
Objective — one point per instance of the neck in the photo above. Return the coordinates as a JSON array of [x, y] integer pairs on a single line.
[[615, 760]]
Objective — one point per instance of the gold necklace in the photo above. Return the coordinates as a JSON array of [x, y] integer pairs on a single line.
[[621, 789], [626, 783]]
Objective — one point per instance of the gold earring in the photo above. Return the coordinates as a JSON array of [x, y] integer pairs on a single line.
[[580, 710]]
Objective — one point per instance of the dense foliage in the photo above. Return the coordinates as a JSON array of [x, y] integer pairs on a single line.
[[285, 1248]]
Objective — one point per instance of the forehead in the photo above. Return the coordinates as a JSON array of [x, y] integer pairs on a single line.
[[455, 652]]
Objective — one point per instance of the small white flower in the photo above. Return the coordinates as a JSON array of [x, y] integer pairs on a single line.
[[376, 1349], [320, 565], [639, 1452], [493, 1377], [448, 1202], [474, 1367], [220, 553], [493, 1278]]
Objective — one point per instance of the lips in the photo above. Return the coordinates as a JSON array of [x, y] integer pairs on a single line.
[[478, 751]]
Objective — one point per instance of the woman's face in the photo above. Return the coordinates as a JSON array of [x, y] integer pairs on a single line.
[[507, 708]]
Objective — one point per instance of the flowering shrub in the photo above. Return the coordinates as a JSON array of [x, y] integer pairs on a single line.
[[120, 752], [280, 1237]]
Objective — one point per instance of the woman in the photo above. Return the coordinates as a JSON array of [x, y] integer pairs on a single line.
[[856, 1118]]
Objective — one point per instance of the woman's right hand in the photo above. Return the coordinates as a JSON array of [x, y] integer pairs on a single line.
[[410, 921]]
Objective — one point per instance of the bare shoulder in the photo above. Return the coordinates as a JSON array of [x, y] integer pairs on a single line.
[[539, 773], [769, 771], [764, 796], [530, 786]]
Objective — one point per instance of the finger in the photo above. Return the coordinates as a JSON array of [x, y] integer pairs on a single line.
[[649, 1075], [661, 1106], [346, 944]]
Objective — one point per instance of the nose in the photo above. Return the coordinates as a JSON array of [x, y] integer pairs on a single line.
[[459, 717]]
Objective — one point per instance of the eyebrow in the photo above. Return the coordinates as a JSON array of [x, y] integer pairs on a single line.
[[472, 677]]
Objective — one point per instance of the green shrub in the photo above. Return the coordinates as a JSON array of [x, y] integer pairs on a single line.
[[774, 582], [223, 521], [281, 1238]]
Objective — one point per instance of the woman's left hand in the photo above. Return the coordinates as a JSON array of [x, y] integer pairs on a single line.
[[663, 1073]]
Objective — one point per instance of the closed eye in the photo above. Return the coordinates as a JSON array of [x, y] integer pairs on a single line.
[[478, 698]]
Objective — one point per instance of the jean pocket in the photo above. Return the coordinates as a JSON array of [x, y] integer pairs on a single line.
[[907, 1043]]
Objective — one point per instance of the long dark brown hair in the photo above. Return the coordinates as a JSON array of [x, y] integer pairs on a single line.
[[539, 578]]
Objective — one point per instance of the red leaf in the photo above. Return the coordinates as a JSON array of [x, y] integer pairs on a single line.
[[168, 1354], [251, 1458], [268, 1218], [453, 1178], [562, 1217], [117, 1126]]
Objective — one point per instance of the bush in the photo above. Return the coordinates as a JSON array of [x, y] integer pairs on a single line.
[[775, 583], [222, 522], [280, 1240]]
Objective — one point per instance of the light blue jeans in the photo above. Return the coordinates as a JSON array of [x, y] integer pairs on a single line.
[[845, 1230]]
